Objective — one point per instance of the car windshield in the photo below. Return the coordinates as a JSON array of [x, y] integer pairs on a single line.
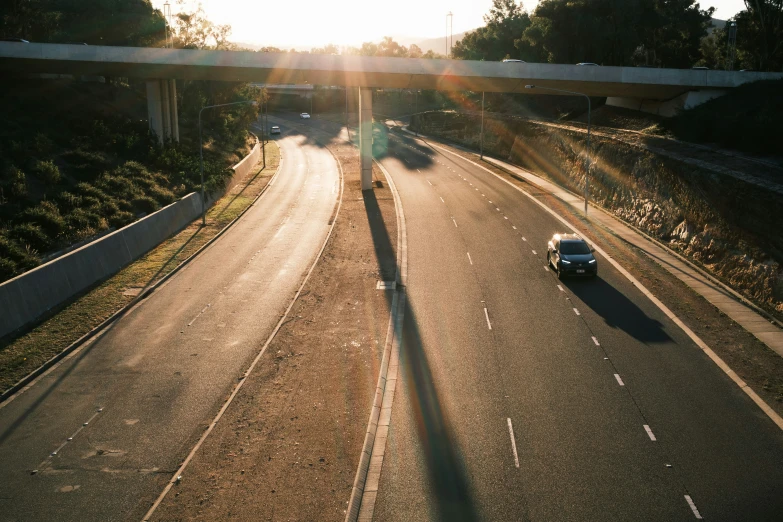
[[574, 247]]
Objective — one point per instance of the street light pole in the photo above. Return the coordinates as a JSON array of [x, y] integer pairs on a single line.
[[201, 154], [417, 111], [482, 125], [587, 172]]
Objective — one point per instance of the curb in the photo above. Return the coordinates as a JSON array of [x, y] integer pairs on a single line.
[[25, 381], [175, 478], [362, 502]]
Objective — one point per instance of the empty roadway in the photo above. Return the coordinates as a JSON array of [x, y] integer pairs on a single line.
[[616, 414], [149, 386]]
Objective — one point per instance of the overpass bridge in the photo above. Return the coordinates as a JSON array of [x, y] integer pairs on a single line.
[[655, 90]]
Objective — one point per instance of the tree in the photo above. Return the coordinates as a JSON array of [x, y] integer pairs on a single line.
[[760, 35], [672, 33], [506, 21]]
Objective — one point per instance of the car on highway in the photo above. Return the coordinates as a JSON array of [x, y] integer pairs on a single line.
[[274, 130], [569, 254], [589, 63], [304, 116], [512, 60]]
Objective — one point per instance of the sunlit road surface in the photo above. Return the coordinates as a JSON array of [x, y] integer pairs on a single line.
[[123, 412], [522, 397]]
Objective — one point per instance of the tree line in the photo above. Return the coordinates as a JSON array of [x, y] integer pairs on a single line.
[[652, 33]]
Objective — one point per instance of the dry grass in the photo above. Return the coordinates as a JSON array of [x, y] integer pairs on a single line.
[[21, 355]]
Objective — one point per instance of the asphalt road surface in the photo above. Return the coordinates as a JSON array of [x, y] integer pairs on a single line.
[[135, 400], [616, 414]]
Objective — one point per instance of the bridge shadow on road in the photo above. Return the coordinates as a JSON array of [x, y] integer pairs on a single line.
[[617, 310], [443, 458]]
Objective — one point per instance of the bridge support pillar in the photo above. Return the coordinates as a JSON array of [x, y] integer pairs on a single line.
[[162, 109], [365, 136], [666, 108]]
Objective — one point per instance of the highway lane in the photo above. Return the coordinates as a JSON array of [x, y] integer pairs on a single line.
[[135, 400], [617, 415]]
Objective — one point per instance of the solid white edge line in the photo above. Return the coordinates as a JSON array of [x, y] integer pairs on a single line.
[[486, 314], [619, 380], [243, 380], [513, 442], [773, 416], [650, 433], [696, 513]]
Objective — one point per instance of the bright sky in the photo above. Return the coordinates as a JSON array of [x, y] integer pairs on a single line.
[[315, 23]]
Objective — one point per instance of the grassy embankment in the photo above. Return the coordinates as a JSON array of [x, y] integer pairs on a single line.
[[727, 226], [76, 160], [19, 356]]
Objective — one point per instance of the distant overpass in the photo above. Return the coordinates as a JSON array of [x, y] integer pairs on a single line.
[[654, 90]]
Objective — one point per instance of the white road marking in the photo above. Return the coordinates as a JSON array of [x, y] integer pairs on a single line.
[[546, 268], [428, 181], [523, 238], [512, 226], [201, 312], [486, 314], [490, 202], [619, 380], [483, 195], [649, 432], [594, 339], [561, 289], [455, 221], [442, 200], [696, 513], [417, 170], [469, 259], [513, 442], [576, 312], [534, 252], [505, 217], [497, 209]]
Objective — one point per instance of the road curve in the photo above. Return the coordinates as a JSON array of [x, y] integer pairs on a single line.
[[98, 437], [522, 397]]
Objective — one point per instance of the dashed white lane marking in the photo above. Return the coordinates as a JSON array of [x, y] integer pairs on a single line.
[[594, 339], [497, 209], [417, 170], [513, 442], [561, 289], [442, 200], [619, 380], [512, 226], [505, 217], [523, 238], [428, 181], [486, 315], [69, 439], [534, 252], [649, 432], [483, 195], [201, 312], [490, 202], [696, 513], [546, 268], [469, 259], [576, 312]]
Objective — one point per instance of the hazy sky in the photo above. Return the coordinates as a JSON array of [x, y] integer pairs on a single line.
[[310, 23]]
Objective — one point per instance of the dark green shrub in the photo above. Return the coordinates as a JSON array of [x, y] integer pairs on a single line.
[[16, 181], [120, 219], [162, 195], [47, 216], [8, 269], [108, 208], [68, 201], [48, 172], [145, 204], [86, 164], [33, 235]]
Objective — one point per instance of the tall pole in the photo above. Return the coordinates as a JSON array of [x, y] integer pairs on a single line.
[[449, 30], [201, 154], [482, 125], [417, 111], [588, 159]]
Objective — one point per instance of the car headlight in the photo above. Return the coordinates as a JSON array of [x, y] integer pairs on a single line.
[[565, 262], [592, 261]]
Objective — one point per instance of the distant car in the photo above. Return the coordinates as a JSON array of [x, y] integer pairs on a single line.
[[589, 63], [511, 60], [19, 40], [274, 130], [569, 254], [700, 68], [304, 116]]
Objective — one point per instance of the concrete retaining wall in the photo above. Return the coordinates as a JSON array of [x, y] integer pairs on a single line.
[[26, 297]]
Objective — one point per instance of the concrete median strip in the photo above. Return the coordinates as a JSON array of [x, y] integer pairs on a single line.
[[365, 488], [774, 340]]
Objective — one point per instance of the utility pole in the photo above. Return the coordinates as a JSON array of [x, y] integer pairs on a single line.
[[417, 111], [482, 125], [449, 30], [731, 47]]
